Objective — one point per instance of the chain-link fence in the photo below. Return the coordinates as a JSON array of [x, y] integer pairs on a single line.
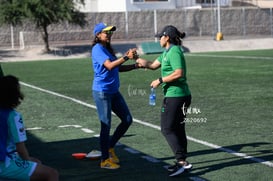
[[237, 22]]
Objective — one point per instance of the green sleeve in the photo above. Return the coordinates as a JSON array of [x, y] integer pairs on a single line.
[[160, 58], [178, 60]]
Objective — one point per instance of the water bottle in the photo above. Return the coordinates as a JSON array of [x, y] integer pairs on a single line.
[[152, 97]]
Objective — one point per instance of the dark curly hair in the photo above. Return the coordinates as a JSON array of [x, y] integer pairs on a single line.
[[108, 45], [10, 93]]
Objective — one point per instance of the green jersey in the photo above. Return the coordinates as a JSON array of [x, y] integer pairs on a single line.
[[170, 60]]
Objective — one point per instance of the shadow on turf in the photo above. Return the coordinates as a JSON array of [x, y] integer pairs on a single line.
[[229, 162], [133, 166]]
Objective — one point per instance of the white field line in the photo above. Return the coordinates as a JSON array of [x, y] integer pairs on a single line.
[[229, 56], [65, 126], [86, 130], [238, 154], [35, 128]]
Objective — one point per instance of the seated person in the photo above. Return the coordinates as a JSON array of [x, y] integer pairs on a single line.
[[15, 162]]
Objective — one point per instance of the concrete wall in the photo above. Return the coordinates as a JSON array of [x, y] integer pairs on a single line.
[[142, 25], [130, 5]]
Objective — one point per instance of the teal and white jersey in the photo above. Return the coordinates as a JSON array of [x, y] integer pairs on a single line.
[[15, 133], [12, 166], [16, 130]]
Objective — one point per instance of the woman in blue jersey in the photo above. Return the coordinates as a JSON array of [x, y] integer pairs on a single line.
[[15, 162], [106, 93]]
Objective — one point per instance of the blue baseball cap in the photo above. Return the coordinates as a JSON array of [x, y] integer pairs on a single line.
[[103, 27]]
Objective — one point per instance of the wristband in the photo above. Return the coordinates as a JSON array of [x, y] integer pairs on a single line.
[[160, 80], [126, 58]]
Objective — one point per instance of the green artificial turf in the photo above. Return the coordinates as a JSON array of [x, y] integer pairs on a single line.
[[232, 100]]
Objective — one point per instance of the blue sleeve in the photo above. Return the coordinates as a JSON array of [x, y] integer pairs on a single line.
[[99, 55]]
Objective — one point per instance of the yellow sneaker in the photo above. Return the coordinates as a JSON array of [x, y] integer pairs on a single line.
[[113, 156], [108, 164]]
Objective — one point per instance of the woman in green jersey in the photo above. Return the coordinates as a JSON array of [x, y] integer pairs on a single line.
[[177, 96]]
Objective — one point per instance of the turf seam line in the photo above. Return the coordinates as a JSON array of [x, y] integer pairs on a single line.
[[238, 154]]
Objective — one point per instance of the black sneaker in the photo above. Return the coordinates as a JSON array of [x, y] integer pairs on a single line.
[[176, 170], [187, 166], [171, 167]]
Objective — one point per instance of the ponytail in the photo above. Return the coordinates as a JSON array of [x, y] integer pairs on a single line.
[[177, 40]]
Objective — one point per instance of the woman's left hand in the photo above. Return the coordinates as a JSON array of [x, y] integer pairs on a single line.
[[155, 83]]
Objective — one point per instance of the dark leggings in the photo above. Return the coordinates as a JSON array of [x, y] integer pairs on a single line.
[[173, 113]]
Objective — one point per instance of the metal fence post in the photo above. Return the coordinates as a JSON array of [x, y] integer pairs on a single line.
[[185, 22], [155, 24], [11, 36], [214, 23], [126, 25], [271, 22], [244, 22]]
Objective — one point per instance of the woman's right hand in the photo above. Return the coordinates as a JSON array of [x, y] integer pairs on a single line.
[[142, 62], [131, 53]]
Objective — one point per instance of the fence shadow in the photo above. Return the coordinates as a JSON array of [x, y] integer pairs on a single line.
[[8, 54], [218, 164], [134, 164]]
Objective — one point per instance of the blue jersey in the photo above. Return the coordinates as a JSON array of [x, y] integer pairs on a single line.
[[4, 114], [104, 80]]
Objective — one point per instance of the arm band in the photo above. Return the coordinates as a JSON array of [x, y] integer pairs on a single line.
[[126, 58]]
